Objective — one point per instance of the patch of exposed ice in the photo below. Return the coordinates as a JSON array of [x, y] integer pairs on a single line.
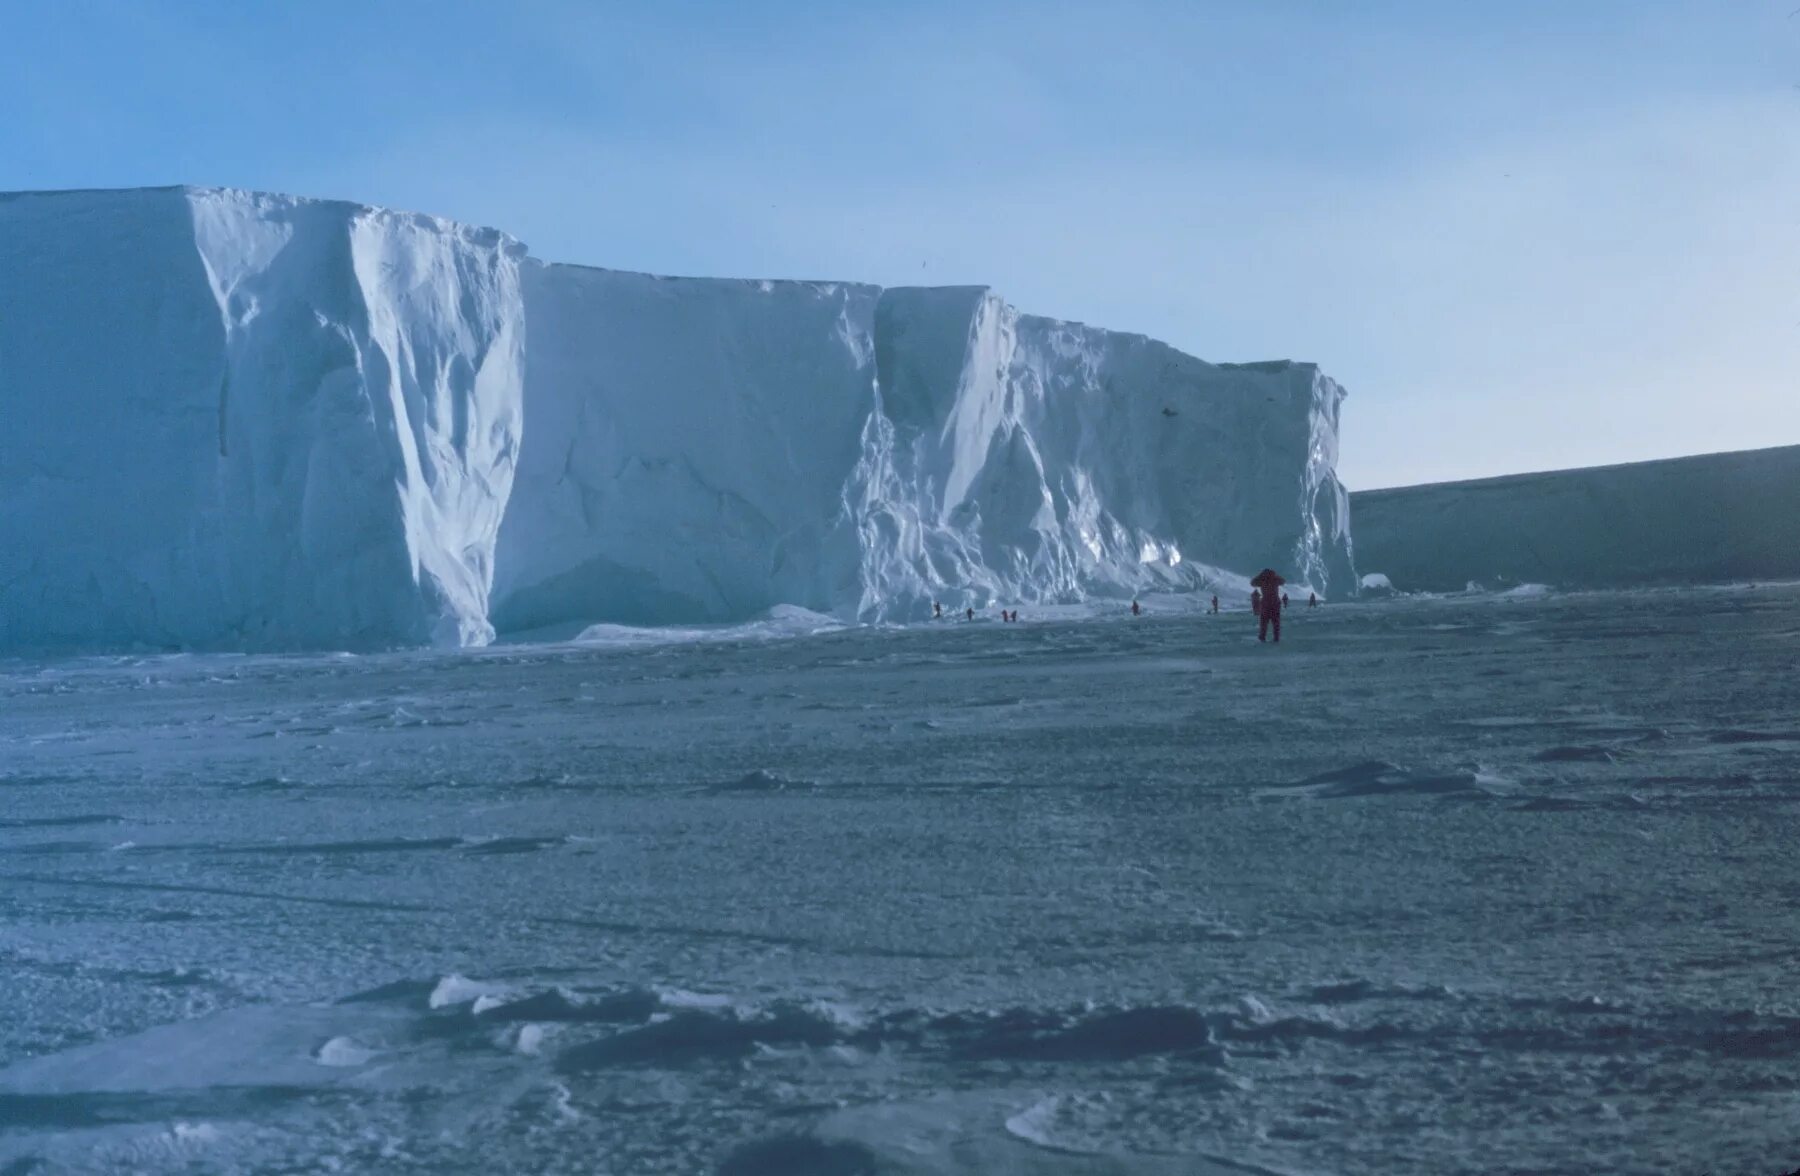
[[343, 1051]]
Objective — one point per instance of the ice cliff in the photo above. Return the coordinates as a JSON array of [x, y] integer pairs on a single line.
[[1719, 517], [686, 449], [252, 421], [705, 449], [1016, 458]]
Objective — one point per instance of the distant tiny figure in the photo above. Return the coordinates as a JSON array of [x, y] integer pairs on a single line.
[[1135, 610], [937, 610], [1215, 606], [1312, 600], [1256, 601], [1284, 600], [968, 614]]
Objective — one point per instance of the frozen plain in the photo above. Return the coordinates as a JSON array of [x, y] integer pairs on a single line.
[[1441, 885]]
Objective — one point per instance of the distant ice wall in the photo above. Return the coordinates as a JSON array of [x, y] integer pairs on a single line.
[[700, 450], [250, 421], [1720, 517]]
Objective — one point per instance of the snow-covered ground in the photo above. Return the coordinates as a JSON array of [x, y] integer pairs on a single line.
[[1437, 886]]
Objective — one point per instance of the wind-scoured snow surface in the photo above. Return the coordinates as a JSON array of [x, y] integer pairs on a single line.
[[242, 420], [1061, 898], [248, 421], [1720, 517]]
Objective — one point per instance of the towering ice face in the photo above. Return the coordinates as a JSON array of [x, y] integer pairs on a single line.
[[700, 450], [256, 421], [252, 421], [1018, 458], [686, 446]]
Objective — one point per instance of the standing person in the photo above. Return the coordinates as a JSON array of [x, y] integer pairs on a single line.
[[968, 614], [1256, 601], [1269, 582], [1284, 600], [1135, 610], [1312, 600], [1215, 606], [1271, 616], [937, 610]]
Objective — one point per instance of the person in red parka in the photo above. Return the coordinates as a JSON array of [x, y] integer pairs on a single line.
[[1271, 617], [1268, 584]]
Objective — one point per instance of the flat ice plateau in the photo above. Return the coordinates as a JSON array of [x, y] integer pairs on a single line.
[[1438, 886], [1683, 520]]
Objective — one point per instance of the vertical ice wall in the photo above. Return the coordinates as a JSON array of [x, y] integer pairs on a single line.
[[243, 420], [700, 450], [686, 446], [1024, 458], [253, 421]]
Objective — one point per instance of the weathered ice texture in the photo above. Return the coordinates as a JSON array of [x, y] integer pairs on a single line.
[[704, 449], [1019, 458], [241, 420], [1724, 516], [236, 420]]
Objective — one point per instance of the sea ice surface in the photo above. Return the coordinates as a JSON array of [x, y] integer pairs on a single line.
[[1439, 885]]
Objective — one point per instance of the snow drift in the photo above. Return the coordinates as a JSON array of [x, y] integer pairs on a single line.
[[251, 421], [244, 420], [1720, 517]]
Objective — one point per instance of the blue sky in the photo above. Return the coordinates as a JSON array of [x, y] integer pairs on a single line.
[[1524, 235]]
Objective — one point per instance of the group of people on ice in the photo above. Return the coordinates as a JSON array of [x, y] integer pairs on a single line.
[[937, 613], [1267, 601]]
